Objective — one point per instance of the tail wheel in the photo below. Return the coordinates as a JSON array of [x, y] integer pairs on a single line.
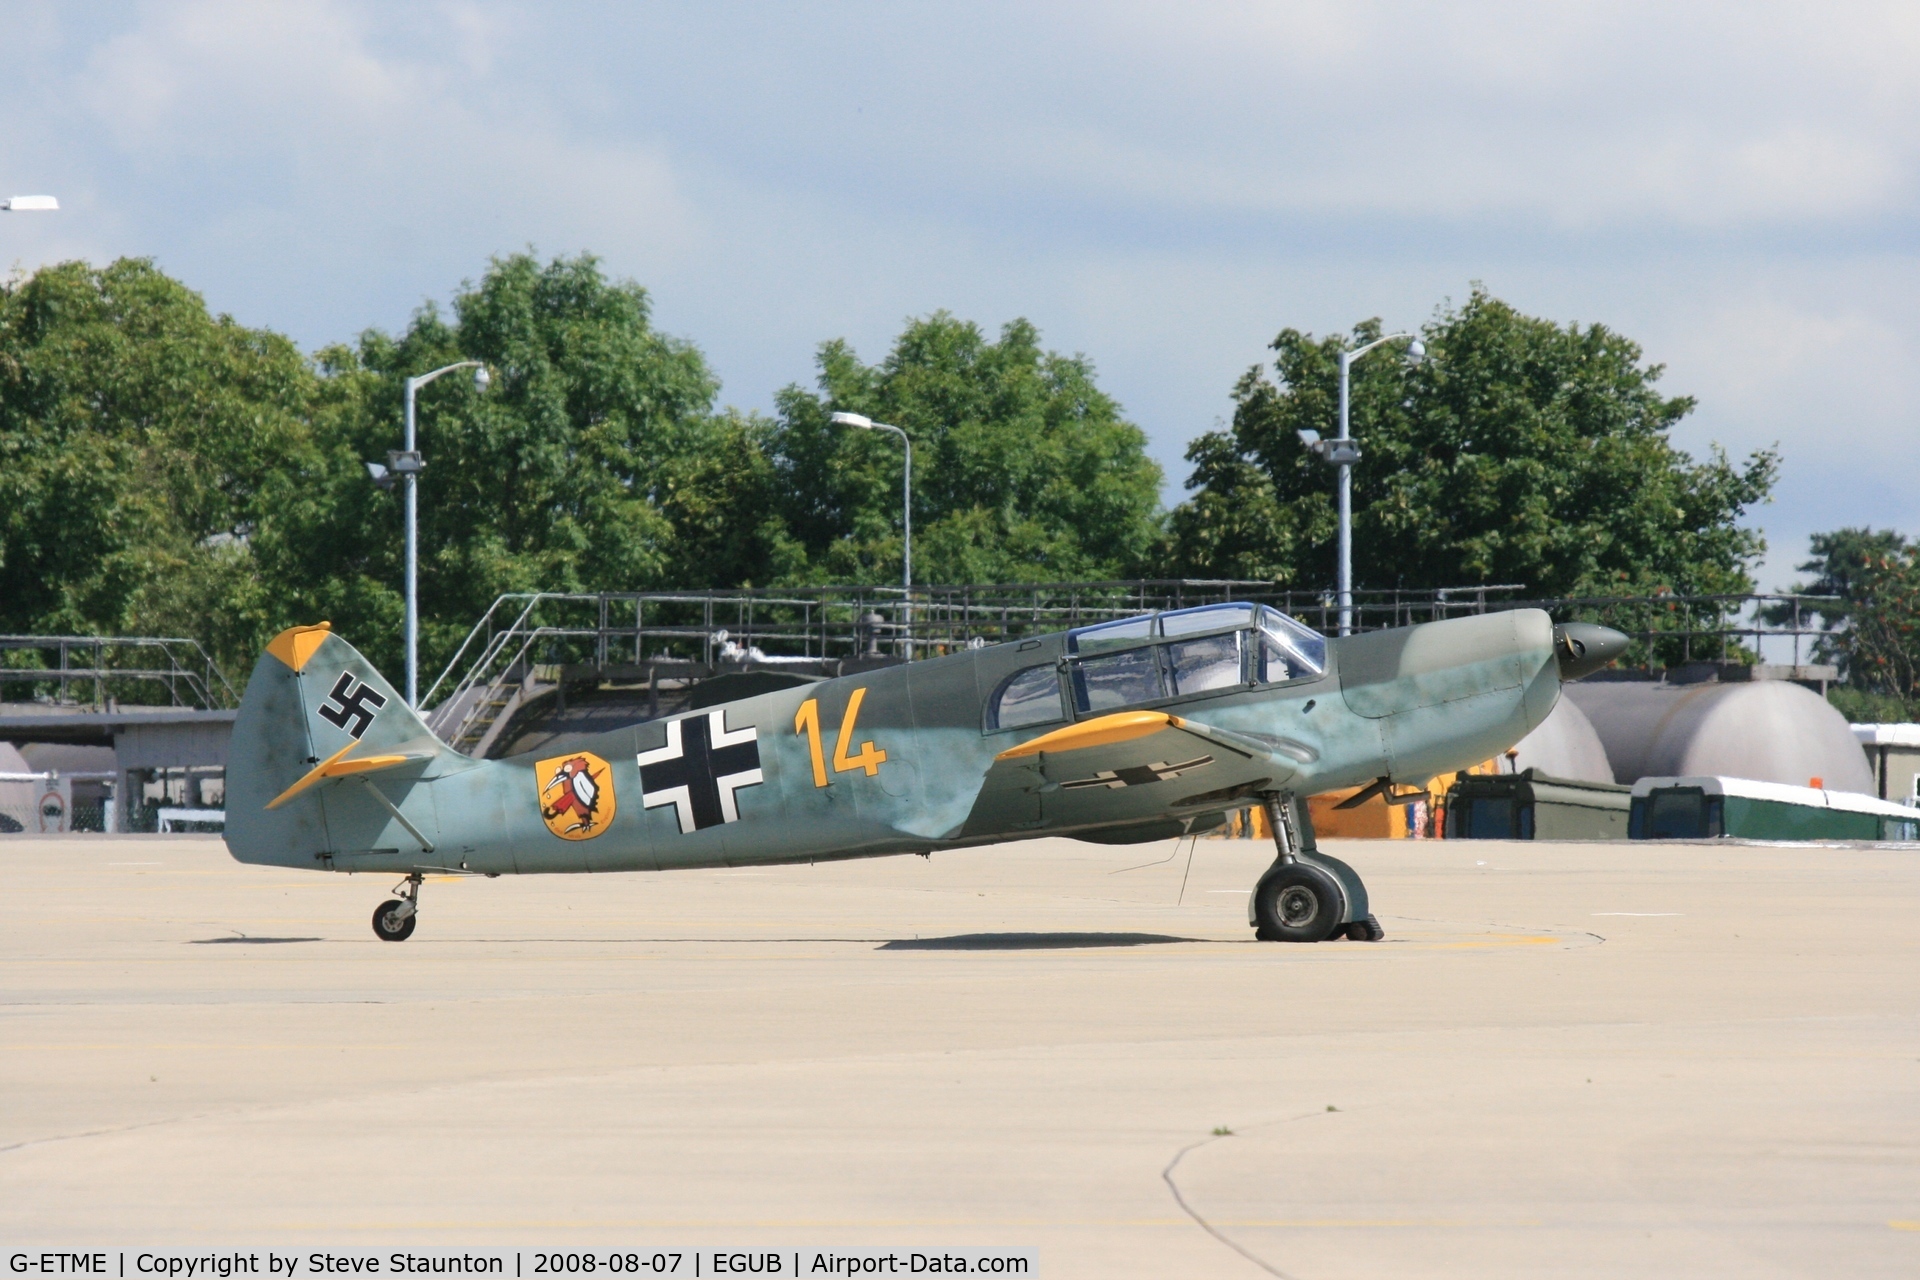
[[1297, 902], [387, 928]]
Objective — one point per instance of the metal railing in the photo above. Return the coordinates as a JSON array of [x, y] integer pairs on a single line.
[[1670, 630], [694, 633], [854, 621], [707, 629], [698, 632], [112, 666]]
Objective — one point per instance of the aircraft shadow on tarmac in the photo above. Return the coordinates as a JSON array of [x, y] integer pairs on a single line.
[[1029, 941], [252, 942]]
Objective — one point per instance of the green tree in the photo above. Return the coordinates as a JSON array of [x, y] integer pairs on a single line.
[[1845, 562], [1023, 469], [1518, 451], [561, 477], [138, 437], [723, 500], [1873, 629]]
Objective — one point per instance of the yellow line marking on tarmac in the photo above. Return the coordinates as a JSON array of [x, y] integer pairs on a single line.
[[1904, 1224], [1530, 941]]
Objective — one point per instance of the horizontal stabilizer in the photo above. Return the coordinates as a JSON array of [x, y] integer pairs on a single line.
[[340, 765]]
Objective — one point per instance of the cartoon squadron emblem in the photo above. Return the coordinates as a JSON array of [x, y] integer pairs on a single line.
[[576, 795]]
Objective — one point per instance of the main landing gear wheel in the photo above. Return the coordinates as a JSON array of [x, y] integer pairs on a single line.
[[394, 921], [1297, 902], [1305, 896]]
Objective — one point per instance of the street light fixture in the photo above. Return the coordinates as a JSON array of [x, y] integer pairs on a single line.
[[906, 488], [865, 423], [30, 204], [1343, 451], [407, 464]]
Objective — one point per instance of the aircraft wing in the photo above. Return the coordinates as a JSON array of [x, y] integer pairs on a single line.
[[1128, 766]]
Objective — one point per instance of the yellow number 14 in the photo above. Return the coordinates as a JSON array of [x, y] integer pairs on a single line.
[[807, 721]]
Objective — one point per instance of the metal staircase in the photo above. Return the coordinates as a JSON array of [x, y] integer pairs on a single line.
[[500, 679]]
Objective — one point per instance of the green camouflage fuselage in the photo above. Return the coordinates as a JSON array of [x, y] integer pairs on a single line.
[[791, 776]]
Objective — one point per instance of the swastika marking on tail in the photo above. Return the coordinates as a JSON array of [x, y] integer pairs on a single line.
[[353, 699]]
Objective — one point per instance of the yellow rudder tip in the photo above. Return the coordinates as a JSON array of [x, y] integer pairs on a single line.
[[296, 645]]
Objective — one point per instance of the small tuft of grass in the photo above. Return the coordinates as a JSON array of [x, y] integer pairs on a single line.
[[1221, 1131], [1331, 1107]]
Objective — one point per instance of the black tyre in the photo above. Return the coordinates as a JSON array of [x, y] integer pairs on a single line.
[[1367, 930], [1297, 902], [387, 929]]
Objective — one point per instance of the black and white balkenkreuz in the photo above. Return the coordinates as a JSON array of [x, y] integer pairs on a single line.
[[700, 769], [1138, 775]]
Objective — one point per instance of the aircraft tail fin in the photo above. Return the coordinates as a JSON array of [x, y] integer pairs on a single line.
[[325, 758]]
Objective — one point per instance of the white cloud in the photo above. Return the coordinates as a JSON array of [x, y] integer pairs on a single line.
[[274, 149], [1583, 115]]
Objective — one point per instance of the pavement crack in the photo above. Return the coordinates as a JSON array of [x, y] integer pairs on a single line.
[[1166, 1175], [109, 1130]]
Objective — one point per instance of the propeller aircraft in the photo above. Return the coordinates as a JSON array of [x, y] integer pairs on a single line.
[[1140, 729]]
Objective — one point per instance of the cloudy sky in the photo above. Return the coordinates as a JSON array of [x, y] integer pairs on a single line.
[[1162, 187]]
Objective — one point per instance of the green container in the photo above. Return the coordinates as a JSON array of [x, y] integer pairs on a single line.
[[1745, 809], [1535, 806]]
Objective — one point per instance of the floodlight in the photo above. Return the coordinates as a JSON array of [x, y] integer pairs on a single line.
[[481, 378], [1416, 349], [865, 423], [1309, 437], [31, 204], [378, 473]]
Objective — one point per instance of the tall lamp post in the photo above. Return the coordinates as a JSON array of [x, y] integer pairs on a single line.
[[1343, 451], [906, 507], [407, 464]]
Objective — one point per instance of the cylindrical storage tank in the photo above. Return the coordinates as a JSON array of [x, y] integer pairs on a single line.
[[16, 798], [1564, 746], [1768, 730]]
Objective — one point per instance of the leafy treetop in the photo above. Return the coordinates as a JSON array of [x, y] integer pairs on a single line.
[[1518, 451], [1023, 469]]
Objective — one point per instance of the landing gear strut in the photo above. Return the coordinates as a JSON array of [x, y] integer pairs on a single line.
[[394, 921], [1306, 895]]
